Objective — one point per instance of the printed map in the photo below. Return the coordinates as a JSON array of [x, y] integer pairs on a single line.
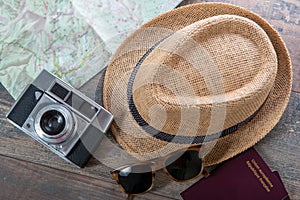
[[72, 39]]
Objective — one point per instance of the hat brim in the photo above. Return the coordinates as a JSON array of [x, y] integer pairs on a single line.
[[228, 146]]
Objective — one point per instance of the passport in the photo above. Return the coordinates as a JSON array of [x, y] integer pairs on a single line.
[[245, 177]]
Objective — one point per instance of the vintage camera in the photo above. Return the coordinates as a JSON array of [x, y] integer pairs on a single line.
[[61, 118]]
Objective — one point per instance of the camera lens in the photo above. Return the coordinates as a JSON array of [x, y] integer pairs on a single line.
[[52, 122]]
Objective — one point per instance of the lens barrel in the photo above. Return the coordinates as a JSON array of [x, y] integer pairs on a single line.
[[54, 123]]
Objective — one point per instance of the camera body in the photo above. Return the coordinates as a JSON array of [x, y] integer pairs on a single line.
[[60, 118]]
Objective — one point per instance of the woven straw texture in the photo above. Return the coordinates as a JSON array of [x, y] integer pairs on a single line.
[[196, 71]]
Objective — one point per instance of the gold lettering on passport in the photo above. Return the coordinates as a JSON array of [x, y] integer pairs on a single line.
[[266, 178], [264, 184], [260, 175], [252, 169]]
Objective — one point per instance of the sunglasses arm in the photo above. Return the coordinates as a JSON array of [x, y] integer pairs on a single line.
[[130, 197], [205, 173]]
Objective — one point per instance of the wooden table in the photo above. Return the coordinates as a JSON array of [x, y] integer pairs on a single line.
[[30, 171]]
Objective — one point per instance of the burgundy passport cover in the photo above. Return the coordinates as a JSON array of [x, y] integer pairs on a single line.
[[245, 177]]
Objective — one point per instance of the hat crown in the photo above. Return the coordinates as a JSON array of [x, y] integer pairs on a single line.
[[225, 62], [150, 121]]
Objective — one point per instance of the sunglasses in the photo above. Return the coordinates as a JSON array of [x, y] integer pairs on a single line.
[[180, 166]]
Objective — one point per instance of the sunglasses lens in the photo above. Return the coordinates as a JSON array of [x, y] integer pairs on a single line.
[[186, 167], [136, 179]]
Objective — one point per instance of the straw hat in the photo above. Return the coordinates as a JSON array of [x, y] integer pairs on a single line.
[[211, 73]]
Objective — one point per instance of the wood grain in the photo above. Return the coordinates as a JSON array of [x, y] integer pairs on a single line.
[[280, 149], [33, 172], [25, 180], [16, 144]]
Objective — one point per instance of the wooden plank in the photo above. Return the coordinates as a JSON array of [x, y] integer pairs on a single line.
[[16, 144], [25, 180], [280, 149]]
